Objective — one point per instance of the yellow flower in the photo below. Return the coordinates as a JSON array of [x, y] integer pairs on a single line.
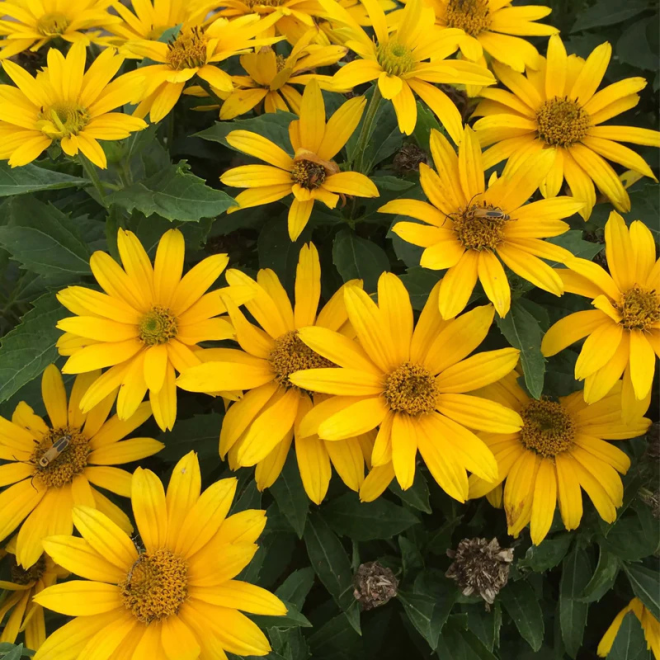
[[649, 623], [623, 332], [145, 327], [258, 429], [270, 77], [311, 174], [33, 24], [25, 616], [399, 61], [150, 18], [194, 52], [559, 107], [559, 450], [50, 468], [68, 105], [465, 239], [411, 384], [174, 597], [490, 26]]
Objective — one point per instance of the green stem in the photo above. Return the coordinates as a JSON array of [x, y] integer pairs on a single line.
[[90, 170], [367, 130]]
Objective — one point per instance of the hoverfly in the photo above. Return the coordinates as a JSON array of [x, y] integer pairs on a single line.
[[56, 450]]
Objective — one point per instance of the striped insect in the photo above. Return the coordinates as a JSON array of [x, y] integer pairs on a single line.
[[489, 214], [60, 445]]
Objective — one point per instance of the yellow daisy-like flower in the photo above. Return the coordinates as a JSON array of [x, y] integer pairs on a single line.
[[145, 327], [174, 597], [494, 26], [25, 616], [411, 383], [68, 105], [311, 174], [51, 468], [559, 450], [258, 429], [31, 25], [270, 77], [193, 53], [649, 623], [471, 225], [623, 332], [399, 61], [559, 107], [149, 19]]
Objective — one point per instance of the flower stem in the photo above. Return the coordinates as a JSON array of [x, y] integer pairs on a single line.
[[90, 170], [367, 130]]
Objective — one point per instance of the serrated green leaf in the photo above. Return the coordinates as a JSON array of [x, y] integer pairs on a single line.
[[522, 605], [634, 535], [250, 498], [602, 580], [272, 126], [417, 496], [633, 45], [576, 570], [367, 521], [32, 178], [572, 240], [523, 332], [458, 644], [30, 347], [175, 194], [357, 258], [419, 610], [629, 643], [290, 495], [644, 583], [419, 282], [200, 433], [549, 554], [296, 587], [608, 12], [485, 625]]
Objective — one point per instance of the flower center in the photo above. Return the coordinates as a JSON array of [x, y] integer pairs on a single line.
[[562, 122], [411, 389], [640, 309], [156, 586], [52, 24], [480, 227], [308, 174], [395, 58], [548, 429], [60, 456], [20, 575], [291, 354], [67, 119], [158, 326], [471, 16], [281, 62], [263, 3], [188, 50]]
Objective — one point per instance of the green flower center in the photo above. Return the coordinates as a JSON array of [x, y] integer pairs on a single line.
[[395, 58], [640, 309], [480, 227], [291, 354], [60, 457], [308, 174], [158, 326], [471, 16], [67, 118], [547, 428], [156, 586], [188, 50], [51, 25], [562, 122], [411, 389]]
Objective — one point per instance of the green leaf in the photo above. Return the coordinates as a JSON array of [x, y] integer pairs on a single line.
[[31, 178], [336, 639], [419, 282], [30, 347], [44, 240], [250, 498], [357, 258], [417, 496], [293, 619], [200, 433], [367, 521], [431, 587], [296, 587], [290, 495], [175, 194], [331, 563], [602, 580], [549, 554], [486, 625], [633, 45], [576, 570], [523, 332], [272, 126], [458, 644], [419, 609], [608, 12], [522, 605], [426, 121], [12, 652], [635, 535], [629, 643], [644, 583]]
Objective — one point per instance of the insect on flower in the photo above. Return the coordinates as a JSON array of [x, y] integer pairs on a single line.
[[60, 445]]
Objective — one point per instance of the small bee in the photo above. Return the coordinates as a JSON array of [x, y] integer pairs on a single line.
[[56, 450], [490, 214]]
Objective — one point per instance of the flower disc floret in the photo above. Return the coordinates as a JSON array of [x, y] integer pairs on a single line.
[[71, 462], [639, 309], [158, 326], [395, 58], [411, 389], [562, 122], [471, 16], [308, 174], [479, 233], [188, 50], [548, 429], [67, 118], [290, 354], [156, 586], [52, 24]]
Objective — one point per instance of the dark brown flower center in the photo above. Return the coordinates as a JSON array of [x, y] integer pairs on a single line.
[[562, 122], [547, 428], [411, 389]]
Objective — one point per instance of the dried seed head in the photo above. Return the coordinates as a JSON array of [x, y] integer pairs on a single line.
[[409, 158], [480, 566], [374, 585]]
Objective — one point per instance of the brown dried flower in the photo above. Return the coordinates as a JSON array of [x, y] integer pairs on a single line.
[[408, 159], [374, 585]]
